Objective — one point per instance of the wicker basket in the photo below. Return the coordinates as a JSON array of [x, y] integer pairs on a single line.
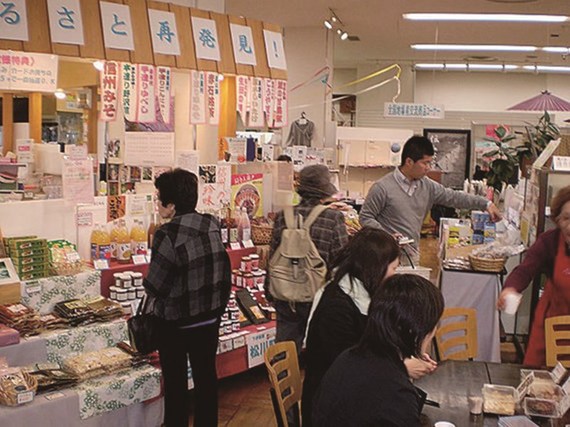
[[10, 397], [491, 265], [261, 234]]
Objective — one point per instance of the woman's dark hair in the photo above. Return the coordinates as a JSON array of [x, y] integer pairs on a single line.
[[416, 148], [402, 313], [366, 257], [180, 188], [558, 201]]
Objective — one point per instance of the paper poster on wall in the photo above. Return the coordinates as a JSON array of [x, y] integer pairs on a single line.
[[213, 98], [269, 100], [130, 91], [274, 49], [224, 181], [197, 98], [247, 191], [243, 93], [14, 20], [206, 39], [237, 148], [77, 181], [136, 204], [187, 160], [163, 91], [17, 67], [65, 22], [117, 27], [149, 148], [116, 207], [109, 91], [256, 117], [299, 157], [146, 96], [242, 41], [25, 150], [163, 32]]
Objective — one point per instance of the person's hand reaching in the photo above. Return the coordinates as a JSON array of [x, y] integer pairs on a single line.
[[418, 368]]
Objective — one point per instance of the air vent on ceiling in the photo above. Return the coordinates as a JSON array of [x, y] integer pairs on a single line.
[[480, 58], [354, 38]]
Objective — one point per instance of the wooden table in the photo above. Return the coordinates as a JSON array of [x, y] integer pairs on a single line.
[[452, 382]]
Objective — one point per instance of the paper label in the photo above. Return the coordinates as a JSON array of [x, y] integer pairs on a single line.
[[139, 259], [523, 387], [33, 288], [239, 341], [247, 243], [235, 246], [101, 264], [558, 372], [25, 397], [54, 395]]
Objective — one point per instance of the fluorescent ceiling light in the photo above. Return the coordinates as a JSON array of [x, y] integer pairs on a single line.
[[475, 47], [485, 17], [556, 49], [482, 67], [547, 68]]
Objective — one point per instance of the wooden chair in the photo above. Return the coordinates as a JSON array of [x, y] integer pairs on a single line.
[[557, 339], [456, 336], [283, 370]]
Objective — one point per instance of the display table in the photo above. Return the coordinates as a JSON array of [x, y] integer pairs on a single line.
[[479, 291]]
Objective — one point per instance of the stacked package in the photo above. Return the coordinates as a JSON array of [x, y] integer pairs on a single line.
[[51, 377], [24, 319], [64, 259], [52, 321], [96, 363], [29, 255], [104, 310], [75, 311]]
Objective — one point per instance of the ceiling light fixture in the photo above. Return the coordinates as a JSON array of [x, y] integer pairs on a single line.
[[335, 22], [328, 24], [344, 36], [485, 17], [466, 67], [99, 65], [556, 49], [59, 94], [547, 68], [475, 47]]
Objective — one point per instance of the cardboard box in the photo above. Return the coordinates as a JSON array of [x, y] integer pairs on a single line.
[[9, 282]]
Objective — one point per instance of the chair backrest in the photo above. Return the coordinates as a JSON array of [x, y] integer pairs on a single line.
[[557, 339], [283, 370], [456, 336]]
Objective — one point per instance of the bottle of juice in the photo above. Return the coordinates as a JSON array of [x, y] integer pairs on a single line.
[[114, 234], [154, 224], [139, 238], [123, 243], [244, 226], [104, 244], [95, 238]]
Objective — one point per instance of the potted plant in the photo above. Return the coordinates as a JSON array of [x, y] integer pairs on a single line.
[[504, 160], [538, 136]]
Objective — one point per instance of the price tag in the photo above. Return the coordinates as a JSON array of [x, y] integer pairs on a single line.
[[101, 264], [248, 244], [73, 256], [33, 288], [139, 259], [235, 246], [239, 342], [54, 395], [25, 397], [558, 372]]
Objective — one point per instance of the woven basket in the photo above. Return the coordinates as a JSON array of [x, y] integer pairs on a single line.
[[261, 234], [10, 397], [492, 265]]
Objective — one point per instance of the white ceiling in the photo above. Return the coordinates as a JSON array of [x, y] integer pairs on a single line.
[[386, 36]]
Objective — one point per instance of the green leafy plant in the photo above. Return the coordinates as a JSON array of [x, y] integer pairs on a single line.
[[504, 163], [538, 136]]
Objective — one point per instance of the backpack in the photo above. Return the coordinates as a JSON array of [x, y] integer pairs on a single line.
[[296, 269]]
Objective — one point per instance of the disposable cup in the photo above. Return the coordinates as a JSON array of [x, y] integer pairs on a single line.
[[444, 424], [512, 301], [475, 404]]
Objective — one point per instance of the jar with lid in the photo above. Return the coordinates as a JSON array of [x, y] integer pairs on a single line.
[[117, 279], [248, 280], [127, 308], [239, 279], [113, 292], [140, 292], [137, 279], [245, 265], [254, 262], [122, 294], [132, 293], [126, 280]]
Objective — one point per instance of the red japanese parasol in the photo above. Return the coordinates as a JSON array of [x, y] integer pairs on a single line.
[[543, 102]]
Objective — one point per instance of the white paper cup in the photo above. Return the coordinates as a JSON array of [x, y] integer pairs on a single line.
[[475, 404], [444, 424], [512, 301]]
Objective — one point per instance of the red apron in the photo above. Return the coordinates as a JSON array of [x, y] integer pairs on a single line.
[[555, 301]]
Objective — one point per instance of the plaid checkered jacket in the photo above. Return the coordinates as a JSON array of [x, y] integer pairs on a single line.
[[189, 274]]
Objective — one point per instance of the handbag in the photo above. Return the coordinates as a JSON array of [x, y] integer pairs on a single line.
[[143, 328]]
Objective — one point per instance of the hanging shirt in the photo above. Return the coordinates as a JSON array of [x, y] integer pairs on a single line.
[[301, 134]]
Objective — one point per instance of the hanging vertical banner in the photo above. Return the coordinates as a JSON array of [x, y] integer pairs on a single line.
[[117, 27], [163, 32], [242, 40], [213, 98], [242, 94], [163, 76], [146, 97], [109, 89], [14, 20], [268, 100], [206, 39], [65, 22], [280, 117], [197, 98], [130, 90], [256, 119], [274, 49]]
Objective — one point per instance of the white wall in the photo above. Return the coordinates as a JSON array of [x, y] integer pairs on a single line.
[[343, 76], [213, 5]]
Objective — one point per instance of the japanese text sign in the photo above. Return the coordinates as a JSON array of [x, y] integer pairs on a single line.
[[275, 50], [257, 345], [256, 111], [117, 27], [77, 181], [197, 98], [130, 91], [403, 109], [206, 39], [163, 88], [163, 32], [34, 72], [109, 91], [146, 97], [243, 95], [242, 40], [280, 112], [14, 20], [213, 98], [65, 21], [269, 100]]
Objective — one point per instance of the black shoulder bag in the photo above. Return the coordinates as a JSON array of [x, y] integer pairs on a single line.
[[143, 328]]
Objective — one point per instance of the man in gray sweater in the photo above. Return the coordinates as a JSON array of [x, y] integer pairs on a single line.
[[399, 201]]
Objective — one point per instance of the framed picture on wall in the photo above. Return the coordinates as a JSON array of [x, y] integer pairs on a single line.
[[452, 154]]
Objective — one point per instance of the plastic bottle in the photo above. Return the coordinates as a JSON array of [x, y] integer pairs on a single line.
[[113, 235], [95, 238], [154, 224], [123, 243], [104, 243], [139, 238], [244, 226], [224, 226], [233, 228]]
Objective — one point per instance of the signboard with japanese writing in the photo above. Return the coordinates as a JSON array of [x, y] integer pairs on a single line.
[[14, 20], [109, 91], [197, 98], [256, 119], [65, 21], [275, 50], [243, 96], [224, 182], [403, 109], [163, 32], [188, 160], [280, 112], [257, 345], [146, 98], [149, 148], [213, 98], [269, 100], [242, 40], [33, 72], [237, 148], [206, 39], [247, 190], [163, 88], [130, 91], [117, 27], [77, 181]]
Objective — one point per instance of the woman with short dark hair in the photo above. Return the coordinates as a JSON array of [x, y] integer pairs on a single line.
[[368, 385], [189, 282]]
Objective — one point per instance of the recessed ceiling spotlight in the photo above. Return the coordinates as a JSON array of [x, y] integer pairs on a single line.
[[344, 36], [328, 24]]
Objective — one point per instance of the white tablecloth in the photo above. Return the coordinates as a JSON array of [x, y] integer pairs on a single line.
[[478, 291]]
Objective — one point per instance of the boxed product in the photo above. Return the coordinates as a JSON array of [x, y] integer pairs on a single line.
[[9, 282], [8, 336], [498, 399], [479, 219], [21, 244]]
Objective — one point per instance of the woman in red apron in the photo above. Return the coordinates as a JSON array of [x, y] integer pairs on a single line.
[[550, 255]]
